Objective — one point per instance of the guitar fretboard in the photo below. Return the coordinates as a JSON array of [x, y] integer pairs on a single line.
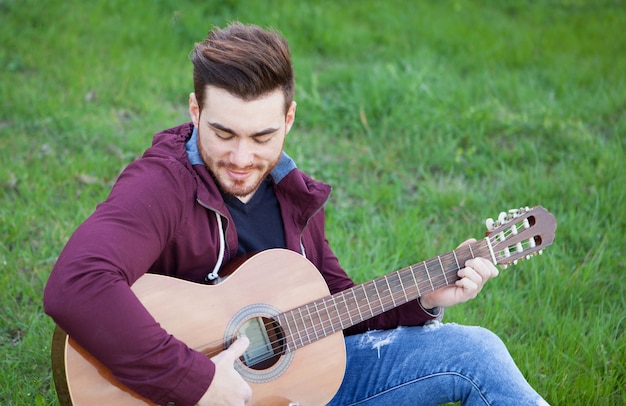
[[318, 319]]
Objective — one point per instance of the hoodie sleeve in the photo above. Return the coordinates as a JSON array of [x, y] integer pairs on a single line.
[[88, 293]]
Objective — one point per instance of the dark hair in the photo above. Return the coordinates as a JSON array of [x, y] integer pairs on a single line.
[[245, 60]]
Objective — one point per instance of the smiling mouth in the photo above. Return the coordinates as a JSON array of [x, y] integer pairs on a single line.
[[239, 174]]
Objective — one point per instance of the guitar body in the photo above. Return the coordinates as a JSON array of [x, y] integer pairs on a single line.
[[207, 318]]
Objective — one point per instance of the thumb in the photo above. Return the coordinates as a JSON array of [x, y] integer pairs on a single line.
[[237, 348]]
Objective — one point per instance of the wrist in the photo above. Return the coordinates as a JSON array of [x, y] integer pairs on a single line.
[[429, 308], [426, 304]]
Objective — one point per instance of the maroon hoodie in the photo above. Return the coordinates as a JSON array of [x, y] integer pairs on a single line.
[[162, 217]]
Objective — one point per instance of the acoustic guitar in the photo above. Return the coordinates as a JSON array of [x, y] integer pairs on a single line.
[[280, 301]]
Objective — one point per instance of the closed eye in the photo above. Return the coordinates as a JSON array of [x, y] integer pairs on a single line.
[[263, 139], [224, 136], [260, 137]]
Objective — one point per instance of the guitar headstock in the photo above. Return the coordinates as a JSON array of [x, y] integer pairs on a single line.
[[520, 233]]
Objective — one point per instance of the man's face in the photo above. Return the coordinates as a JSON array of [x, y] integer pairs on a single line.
[[241, 141]]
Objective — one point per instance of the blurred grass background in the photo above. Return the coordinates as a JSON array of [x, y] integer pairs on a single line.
[[425, 116]]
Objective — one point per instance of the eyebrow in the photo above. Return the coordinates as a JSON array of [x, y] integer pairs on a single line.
[[260, 133]]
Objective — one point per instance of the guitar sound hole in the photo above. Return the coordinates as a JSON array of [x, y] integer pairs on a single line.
[[267, 343]]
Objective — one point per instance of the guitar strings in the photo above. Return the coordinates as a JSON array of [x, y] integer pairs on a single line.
[[304, 334], [310, 330], [311, 325], [438, 280], [309, 333]]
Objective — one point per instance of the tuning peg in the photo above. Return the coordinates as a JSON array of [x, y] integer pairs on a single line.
[[502, 218], [489, 223]]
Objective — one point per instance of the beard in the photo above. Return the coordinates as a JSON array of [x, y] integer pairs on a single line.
[[235, 180], [240, 188]]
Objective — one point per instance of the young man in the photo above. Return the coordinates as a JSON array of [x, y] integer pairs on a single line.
[[221, 186]]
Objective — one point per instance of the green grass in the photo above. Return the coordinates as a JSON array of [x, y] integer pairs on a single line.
[[427, 117]]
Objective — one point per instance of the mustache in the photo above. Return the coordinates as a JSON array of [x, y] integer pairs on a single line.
[[232, 167]]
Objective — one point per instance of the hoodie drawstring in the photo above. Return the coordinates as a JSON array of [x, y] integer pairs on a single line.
[[215, 272]]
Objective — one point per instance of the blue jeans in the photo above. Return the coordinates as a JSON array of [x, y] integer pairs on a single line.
[[431, 365]]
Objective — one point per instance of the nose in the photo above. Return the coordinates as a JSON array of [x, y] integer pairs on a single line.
[[241, 156]]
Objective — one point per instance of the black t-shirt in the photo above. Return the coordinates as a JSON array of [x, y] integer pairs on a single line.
[[258, 222]]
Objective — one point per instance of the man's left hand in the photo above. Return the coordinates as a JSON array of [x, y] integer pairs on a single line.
[[477, 271]]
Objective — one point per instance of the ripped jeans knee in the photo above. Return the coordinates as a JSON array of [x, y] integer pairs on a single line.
[[429, 365]]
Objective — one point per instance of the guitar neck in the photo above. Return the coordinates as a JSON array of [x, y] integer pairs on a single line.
[[320, 318]]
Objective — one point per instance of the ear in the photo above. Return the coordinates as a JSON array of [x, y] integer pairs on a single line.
[[290, 117], [194, 109]]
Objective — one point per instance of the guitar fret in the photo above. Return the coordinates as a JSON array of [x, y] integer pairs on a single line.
[[493, 255], [443, 270], [406, 298], [417, 286], [304, 324], [358, 305], [458, 266], [313, 323], [471, 251], [411, 291], [337, 310], [317, 324], [285, 321], [282, 321], [319, 316], [367, 300], [305, 327], [330, 318], [382, 305], [345, 301], [428, 274], [297, 329], [390, 291], [313, 326]]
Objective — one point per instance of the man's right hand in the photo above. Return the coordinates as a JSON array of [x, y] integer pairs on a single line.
[[228, 387]]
